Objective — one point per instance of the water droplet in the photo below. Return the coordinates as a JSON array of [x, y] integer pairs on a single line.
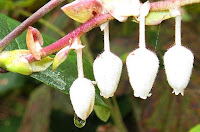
[[79, 122]]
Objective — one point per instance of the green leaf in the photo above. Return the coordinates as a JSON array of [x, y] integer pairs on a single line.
[[10, 124], [195, 128], [9, 81], [64, 75], [102, 113]]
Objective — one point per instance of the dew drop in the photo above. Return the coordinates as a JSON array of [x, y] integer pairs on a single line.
[[78, 122]]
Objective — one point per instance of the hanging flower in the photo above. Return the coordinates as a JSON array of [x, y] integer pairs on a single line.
[[107, 69], [142, 64], [178, 60], [82, 95]]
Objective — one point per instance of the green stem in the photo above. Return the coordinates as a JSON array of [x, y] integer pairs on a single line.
[[116, 115]]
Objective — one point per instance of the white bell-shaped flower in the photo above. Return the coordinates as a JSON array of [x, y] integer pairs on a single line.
[[142, 65], [178, 62], [82, 95], [107, 69]]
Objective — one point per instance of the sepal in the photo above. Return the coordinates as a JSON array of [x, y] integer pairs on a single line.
[[60, 57], [34, 42]]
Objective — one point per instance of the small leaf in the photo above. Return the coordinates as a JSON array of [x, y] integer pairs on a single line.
[[82, 10], [102, 113], [41, 65]]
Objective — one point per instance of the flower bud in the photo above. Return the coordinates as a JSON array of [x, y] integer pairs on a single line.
[[178, 62], [82, 10], [82, 95], [107, 69], [142, 66]]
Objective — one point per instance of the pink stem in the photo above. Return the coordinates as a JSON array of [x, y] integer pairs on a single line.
[[100, 19], [68, 39]]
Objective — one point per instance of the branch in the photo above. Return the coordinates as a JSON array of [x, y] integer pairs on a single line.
[[32, 19], [96, 21], [68, 39]]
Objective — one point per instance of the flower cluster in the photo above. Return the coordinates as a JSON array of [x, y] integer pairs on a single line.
[[142, 63]]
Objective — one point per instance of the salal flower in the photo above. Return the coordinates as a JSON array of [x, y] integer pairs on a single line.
[[82, 95], [107, 68], [178, 61], [121, 9], [82, 91], [142, 64]]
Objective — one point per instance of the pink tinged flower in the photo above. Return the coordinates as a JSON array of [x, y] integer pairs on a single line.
[[82, 95], [121, 9], [178, 62], [142, 65], [107, 69], [34, 42]]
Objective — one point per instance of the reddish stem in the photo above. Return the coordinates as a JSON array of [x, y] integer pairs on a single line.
[[100, 19], [68, 39]]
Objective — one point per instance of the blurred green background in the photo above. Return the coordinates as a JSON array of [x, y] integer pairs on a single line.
[[27, 105]]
